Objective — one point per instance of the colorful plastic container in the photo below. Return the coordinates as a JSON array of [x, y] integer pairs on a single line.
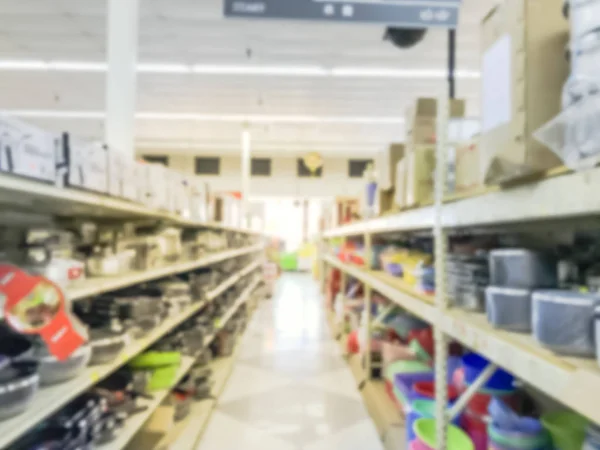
[[566, 428], [456, 438], [420, 409], [474, 364]]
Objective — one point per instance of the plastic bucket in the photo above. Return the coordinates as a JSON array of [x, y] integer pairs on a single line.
[[404, 382], [474, 364], [425, 390], [456, 439], [518, 440], [474, 417], [566, 428], [420, 409]]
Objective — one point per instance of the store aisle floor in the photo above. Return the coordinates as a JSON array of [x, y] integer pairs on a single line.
[[290, 388]]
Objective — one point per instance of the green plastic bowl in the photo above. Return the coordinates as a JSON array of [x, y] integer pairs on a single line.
[[425, 408], [162, 378], [151, 360], [456, 438], [566, 428]]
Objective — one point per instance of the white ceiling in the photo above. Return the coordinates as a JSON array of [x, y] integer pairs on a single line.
[[194, 32]]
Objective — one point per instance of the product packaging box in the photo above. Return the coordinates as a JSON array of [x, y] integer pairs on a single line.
[[132, 180], [420, 167], [421, 120], [385, 165], [153, 187], [116, 173], [523, 72], [400, 188], [468, 167], [28, 151], [84, 164]]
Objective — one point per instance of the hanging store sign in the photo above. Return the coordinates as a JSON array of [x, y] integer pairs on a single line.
[[401, 13]]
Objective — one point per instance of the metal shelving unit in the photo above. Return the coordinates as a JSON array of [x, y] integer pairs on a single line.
[[52, 398], [561, 195], [134, 424], [26, 195]]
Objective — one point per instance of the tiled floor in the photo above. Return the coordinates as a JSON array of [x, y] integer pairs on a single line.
[[290, 389]]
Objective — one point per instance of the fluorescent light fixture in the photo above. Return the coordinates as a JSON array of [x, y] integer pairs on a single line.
[[304, 71], [228, 118], [23, 65], [53, 114], [249, 70], [77, 66], [383, 72], [163, 68]]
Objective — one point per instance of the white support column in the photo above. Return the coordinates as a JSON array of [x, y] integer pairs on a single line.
[[121, 79], [246, 152]]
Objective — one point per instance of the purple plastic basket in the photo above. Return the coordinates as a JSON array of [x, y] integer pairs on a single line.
[[404, 383]]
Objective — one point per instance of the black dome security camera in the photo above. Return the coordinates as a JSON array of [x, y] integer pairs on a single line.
[[404, 37]]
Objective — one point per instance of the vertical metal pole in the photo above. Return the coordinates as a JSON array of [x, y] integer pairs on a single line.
[[121, 79], [246, 151], [368, 315], [441, 340], [451, 62]]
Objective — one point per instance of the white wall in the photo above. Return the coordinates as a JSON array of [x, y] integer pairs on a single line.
[[283, 180]]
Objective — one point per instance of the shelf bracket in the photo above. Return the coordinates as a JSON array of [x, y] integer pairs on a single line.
[[461, 403]]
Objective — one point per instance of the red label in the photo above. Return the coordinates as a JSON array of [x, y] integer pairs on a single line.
[[36, 305]]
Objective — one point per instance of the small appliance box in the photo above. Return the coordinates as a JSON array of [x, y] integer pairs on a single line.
[[523, 72], [199, 200], [421, 120], [180, 193], [468, 168], [132, 181], [154, 186], [116, 173], [420, 167], [27, 150], [86, 164]]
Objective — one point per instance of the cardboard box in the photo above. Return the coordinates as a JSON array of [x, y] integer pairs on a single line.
[[421, 120], [132, 181], [116, 173], [400, 188], [28, 151], [468, 168], [420, 167], [154, 186], [84, 164], [385, 165], [523, 72]]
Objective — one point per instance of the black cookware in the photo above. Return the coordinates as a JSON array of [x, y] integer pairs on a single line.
[[106, 345]]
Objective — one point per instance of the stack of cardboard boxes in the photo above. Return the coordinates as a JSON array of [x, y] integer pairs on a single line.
[[415, 171], [523, 71]]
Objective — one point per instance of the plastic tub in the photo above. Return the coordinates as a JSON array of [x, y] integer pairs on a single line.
[[474, 364], [425, 390], [475, 426], [518, 440], [566, 428], [420, 409], [456, 439], [404, 382]]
